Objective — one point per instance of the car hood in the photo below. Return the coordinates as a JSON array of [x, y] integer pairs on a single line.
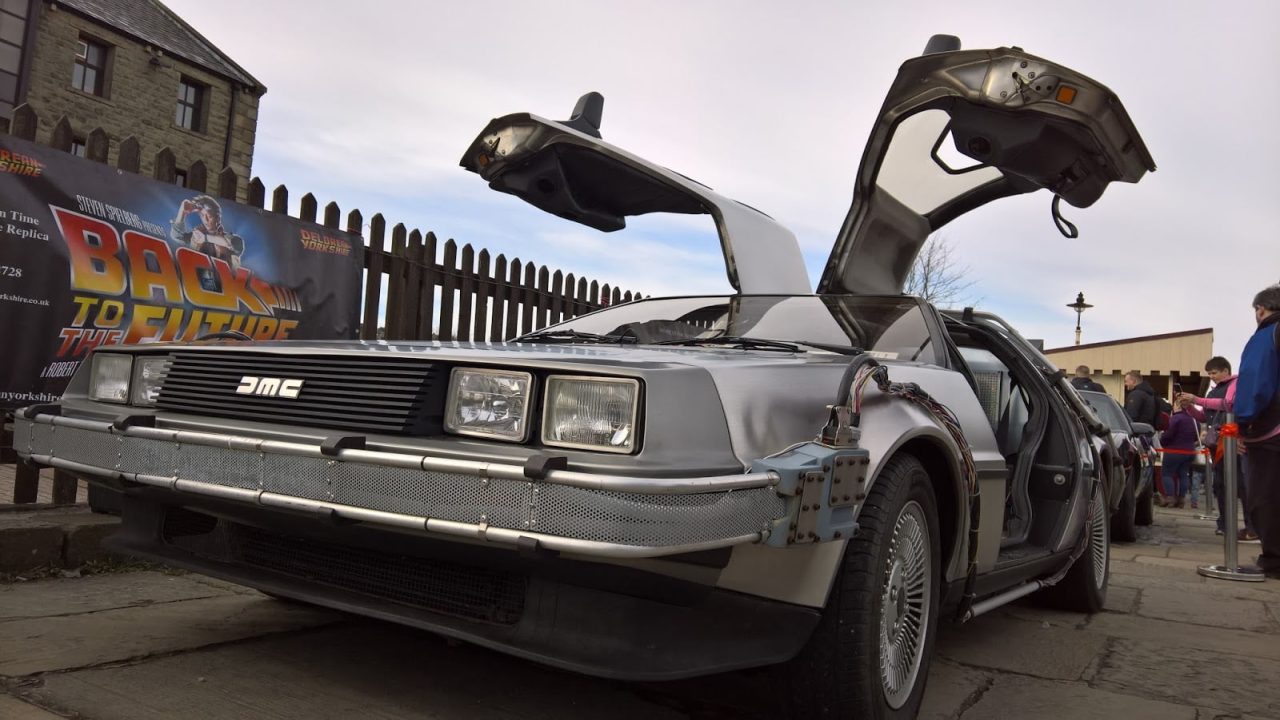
[[959, 129], [551, 355]]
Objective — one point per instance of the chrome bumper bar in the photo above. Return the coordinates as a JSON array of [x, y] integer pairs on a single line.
[[573, 512]]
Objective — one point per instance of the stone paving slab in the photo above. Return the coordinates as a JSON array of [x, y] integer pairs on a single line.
[[373, 671], [1019, 698], [1182, 635], [12, 708], [1171, 645], [1231, 682], [952, 686], [1225, 590], [1121, 599], [1003, 643], [58, 643], [95, 593], [1207, 609]]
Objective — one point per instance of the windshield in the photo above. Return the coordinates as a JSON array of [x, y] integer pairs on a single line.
[[891, 327], [1108, 410]]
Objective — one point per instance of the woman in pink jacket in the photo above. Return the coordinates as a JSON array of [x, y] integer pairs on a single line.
[[1218, 402]]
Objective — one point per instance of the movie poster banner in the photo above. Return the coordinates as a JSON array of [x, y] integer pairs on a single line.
[[92, 256]]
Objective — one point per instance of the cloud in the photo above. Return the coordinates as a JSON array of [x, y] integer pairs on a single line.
[[372, 104]]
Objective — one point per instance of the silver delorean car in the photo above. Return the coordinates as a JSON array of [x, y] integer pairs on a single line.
[[676, 486]]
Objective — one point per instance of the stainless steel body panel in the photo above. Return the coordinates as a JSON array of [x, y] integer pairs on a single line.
[[715, 410]]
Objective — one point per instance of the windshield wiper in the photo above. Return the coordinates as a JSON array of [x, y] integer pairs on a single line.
[[838, 349], [573, 336], [746, 343]]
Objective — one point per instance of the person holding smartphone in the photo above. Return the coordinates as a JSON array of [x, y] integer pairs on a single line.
[[1216, 404]]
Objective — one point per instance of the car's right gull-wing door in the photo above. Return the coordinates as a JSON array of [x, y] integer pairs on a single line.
[[961, 128]]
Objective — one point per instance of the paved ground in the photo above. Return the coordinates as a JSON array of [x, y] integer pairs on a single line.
[[1172, 646]]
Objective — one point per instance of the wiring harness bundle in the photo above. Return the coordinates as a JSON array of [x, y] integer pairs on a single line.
[[860, 374], [917, 395]]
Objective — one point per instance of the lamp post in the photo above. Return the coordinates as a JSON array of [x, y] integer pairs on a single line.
[[1079, 306]]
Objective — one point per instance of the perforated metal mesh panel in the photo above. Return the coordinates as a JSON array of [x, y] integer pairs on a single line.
[[150, 457], [303, 477], [87, 447], [989, 386], [222, 466], [611, 517], [637, 519], [41, 437], [465, 498]]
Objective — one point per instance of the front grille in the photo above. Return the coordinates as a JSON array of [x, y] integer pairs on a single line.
[[473, 593], [394, 395]]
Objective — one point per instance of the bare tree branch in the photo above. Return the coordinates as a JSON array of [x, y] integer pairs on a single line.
[[937, 276]]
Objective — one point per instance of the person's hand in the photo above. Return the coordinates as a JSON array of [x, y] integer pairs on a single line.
[[188, 207], [1186, 399]]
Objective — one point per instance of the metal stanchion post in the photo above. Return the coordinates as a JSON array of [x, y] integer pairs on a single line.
[[1231, 569]]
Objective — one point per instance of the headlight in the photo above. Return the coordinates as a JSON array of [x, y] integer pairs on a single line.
[[489, 403], [591, 413], [147, 374], [109, 377]]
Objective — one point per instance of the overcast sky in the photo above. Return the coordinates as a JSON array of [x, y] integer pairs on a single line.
[[372, 103]]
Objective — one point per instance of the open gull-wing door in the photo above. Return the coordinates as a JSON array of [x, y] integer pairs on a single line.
[[565, 169], [962, 128]]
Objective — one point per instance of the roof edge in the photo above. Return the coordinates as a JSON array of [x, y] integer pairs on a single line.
[[1126, 341], [257, 84]]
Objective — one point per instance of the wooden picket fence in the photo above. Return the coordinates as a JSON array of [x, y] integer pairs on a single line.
[[459, 294]]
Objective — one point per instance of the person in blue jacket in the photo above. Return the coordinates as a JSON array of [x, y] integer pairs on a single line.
[[1257, 407]]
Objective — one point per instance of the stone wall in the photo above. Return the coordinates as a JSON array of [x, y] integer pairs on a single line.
[[140, 98]]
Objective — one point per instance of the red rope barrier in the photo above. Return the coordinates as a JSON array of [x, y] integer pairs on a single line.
[[1227, 430]]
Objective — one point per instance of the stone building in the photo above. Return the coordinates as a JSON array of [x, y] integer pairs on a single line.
[[131, 67]]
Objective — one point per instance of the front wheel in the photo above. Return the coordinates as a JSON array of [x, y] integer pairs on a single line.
[[869, 656]]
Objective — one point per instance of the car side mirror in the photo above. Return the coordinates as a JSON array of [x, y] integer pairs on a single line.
[[1143, 428]]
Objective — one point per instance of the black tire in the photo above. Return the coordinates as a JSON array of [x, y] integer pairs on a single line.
[[1084, 587], [1122, 522], [1144, 513], [839, 673]]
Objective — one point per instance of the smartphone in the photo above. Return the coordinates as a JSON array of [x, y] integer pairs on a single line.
[[1177, 389]]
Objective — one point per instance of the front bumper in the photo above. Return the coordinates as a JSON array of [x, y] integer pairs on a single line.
[[558, 510], [598, 619]]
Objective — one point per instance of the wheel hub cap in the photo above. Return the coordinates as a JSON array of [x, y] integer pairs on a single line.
[[904, 605], [1099, 543]]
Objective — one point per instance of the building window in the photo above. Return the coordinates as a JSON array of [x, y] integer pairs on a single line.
[[190, 111], [78, 147], [180, 178], [90, 71]]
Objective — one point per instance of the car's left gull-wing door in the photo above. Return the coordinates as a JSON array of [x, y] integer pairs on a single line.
[[565, 168]]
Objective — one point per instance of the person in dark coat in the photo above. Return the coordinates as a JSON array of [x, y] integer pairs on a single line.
[[1257, 406], [1140, 399], [1179, 445], [1082, 381]]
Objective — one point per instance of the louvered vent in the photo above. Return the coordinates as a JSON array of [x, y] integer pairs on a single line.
[[395, 395]]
